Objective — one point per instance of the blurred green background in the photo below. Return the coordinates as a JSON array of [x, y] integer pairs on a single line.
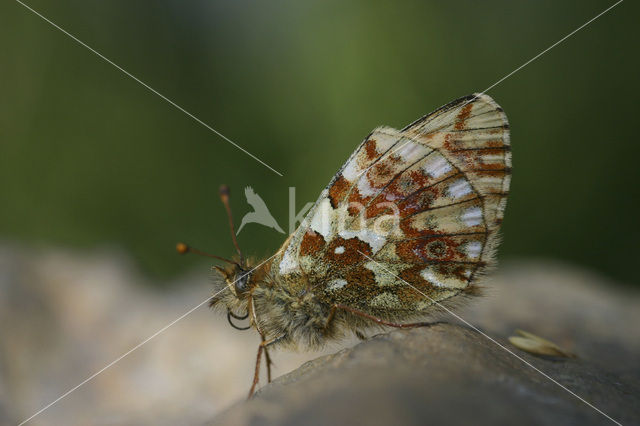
[[90, 158]]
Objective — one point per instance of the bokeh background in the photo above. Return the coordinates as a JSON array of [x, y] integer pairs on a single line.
[[91, 158], [99, 177]]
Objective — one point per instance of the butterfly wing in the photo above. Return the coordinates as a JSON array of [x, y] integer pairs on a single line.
[[423, 204]]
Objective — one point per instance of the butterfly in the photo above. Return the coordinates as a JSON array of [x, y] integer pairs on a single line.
[[408, 223]]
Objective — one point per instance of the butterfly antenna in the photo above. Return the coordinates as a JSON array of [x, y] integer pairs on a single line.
[[182, 248], [224, 196]]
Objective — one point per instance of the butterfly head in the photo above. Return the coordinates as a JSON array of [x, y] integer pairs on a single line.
[[237, 278], [232, 290]]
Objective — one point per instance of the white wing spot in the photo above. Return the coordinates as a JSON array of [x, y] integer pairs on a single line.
[[339, 250], [441, 281], [437, 166], [365, 188], [322, 218], [459, 188], [351, 170], [474, 248], [427, 274], [375, 241], [288, 262], [410, 151], [472, 216], [337, 284]]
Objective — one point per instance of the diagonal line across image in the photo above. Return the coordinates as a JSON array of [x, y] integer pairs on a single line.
[[127, 73], [275, 171]]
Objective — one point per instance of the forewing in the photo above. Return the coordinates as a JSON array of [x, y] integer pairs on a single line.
[[423, 204]]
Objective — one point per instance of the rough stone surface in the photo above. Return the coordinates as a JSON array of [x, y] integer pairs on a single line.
[[65, 315], [446, 374], [452, 374]]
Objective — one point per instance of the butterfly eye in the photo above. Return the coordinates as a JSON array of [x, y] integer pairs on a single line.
[[241, 282]]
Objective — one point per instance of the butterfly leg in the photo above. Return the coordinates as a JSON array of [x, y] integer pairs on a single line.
[[376, 319], [268, 362], [256, 375], [332, 314]]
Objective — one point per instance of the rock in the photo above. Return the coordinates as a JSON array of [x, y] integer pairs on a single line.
[[582, 311], [451, 374], [65, 315], [444, 374]]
